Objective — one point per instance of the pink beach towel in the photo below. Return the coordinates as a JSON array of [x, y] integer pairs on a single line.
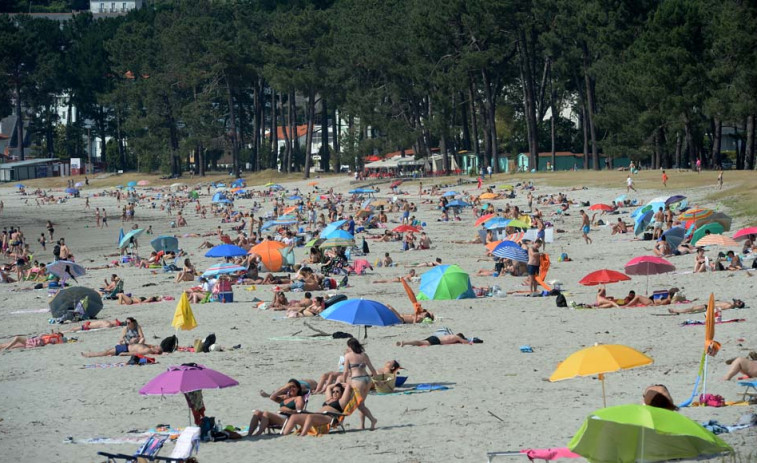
[[549, 454]]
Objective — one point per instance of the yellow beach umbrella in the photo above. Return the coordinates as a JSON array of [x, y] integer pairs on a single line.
[[183, 318], [488, 196], [716, 240], [598, 360]]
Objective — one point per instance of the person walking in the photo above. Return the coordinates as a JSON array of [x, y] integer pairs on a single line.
[[585, 225], [629, 184], [664, 179]]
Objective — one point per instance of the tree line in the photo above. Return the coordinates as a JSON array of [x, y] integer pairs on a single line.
[[654, 80]]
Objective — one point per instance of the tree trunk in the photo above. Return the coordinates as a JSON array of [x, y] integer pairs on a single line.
[[552, 124], [293, 135], [324, 150], [309, 134], [336, 121], [19, 123], [257, 133], [443, 152], [749, 152], [678, 149], [590, 109], [491, 112], [474, 120], [287, 140], [232, 130], [690, 148], [527, 85], [656, 161], [273, 162], [717, 131], [584, 121]]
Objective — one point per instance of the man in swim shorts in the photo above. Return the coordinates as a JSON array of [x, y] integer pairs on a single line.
[[585, 228], [534, 260], [458, 338], [126, 349]]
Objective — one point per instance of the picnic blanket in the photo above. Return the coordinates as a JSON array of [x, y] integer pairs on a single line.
[[701, 322]]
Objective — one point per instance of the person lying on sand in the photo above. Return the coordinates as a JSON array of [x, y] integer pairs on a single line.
[[741, 365], [95, 325], [604, 301], [436, 262], [123, 299], [634, 299], [316, 307], [412, 317], [458, 338], [337, 397], [126, 349], [410, 277], [23, 342], [722, 305]]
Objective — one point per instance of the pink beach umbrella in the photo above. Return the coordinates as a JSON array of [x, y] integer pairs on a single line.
[[143, 183], [180, 379], [744, 233], [648, 265]]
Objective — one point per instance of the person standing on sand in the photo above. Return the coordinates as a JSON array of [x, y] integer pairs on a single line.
[[720, 182], [104, 219], [629, 184], [699, 165], [479, 181], [585, 227], [664, 179], [659, 218], [534, 259]]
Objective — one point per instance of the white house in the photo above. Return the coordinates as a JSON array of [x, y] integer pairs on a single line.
[[122, 6]]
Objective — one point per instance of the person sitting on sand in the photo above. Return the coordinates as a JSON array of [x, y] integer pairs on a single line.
[[132, 333], [279, 302], [5, 277], [734, 261], [126, 349], [290, 400], [458, 338], [94, 325], [197, 294], [658, 396], [315, 308], [662, 247], [674, 294], [337, 397], [109, 285], [387, 260], [124, 299], [415, 317], [436, 262], [700, 308], [187, 273], [604, 301], [741, 365], [621, 227], [700, 261], [410, 277]]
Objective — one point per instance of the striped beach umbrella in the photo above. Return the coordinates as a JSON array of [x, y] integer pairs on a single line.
[[510, 250]]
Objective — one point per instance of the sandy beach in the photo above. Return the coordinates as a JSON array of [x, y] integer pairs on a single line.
[[498, 398]]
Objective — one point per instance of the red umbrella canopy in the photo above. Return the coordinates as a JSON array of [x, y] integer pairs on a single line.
[[600, 207], [648, 265], [406, 228], [604, 276], [744, 233], [483, 219]]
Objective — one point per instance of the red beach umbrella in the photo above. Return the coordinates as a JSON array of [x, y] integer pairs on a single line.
[[744, 233], [483, 219], [648, 265], [604, 276], [601, 207]]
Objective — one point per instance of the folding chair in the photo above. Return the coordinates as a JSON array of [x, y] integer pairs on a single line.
[[116, 291], [750, 393]]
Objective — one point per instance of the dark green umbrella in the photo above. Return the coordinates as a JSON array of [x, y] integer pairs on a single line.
[[65, 301]]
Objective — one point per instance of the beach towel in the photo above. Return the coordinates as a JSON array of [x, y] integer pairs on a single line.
[[701, 322], [549, 454]]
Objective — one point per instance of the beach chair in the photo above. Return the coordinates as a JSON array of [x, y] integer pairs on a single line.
[[337, 421], [750, 393], [147, 451], [116, 291], [187, 443], [273, 428]]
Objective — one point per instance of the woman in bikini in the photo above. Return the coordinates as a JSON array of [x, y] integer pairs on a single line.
[[603, 301], [188, 273], [95, 325], [123, 299], [290, 400], [356, 361], [415, 317], [337, 397]]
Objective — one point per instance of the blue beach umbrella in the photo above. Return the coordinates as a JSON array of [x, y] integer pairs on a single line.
[[674, 236], [71, 191], [127, 237], [332, 227], [642, 221], [510, 250], [120, 236], [226, 250], [132, 183], [496, 222], [363, 312], [340, 235], [445, 282], [165, 243], [219, 197], [224, 268], [457, 203], [450, 193], [238, 182], [20, 185], [294, 198]]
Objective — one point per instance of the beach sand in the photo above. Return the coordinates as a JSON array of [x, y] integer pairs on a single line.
[[498, 397]]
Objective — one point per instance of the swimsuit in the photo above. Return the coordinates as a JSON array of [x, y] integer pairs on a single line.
[[362, 378], [121, 349], [433, 340], [586, 229], [532, 269], [335, 405]]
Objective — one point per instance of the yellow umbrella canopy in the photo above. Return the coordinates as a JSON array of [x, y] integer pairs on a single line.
[[716, 240], [598, 360], [488, 196], [183, 318]]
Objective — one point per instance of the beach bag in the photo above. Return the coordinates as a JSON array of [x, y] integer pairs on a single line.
[[169, 344], [561, 301], [207, 425], [365, 247], [712, 400], [56, 250], [209, 341], [384, 383], [55, 338]]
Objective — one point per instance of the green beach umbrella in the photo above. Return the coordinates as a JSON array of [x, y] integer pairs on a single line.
[[631, 433], [714, 228], [445, 282], [517, 224]]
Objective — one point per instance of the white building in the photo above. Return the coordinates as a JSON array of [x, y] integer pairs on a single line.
[[122, 6]]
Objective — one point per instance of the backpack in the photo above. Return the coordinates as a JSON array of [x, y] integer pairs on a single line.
[[56, 250], [209, 341], [366, 250], [169, 344], [560, 300]]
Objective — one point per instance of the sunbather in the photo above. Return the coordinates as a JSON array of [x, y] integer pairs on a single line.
[[94, 325], [415, 317], [658, 396], [604, 301], [722, 305], [187, 273], [22, 342], [126, 349], [410, 277], [123, 299], [357, 366], [290, 400], [337, 397], [742, 365], [458, 338], [634, 299]]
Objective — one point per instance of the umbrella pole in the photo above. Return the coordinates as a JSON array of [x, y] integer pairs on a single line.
[[604, 397], [704, 378]]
